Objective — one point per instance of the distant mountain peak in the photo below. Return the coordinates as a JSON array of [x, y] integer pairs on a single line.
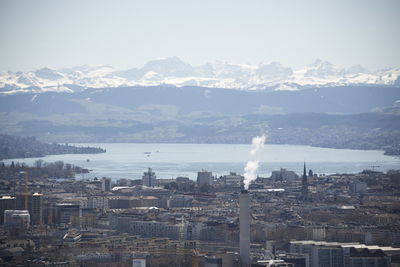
[[48, 74], [323, 69], [356, 69], [174, 71], [171, 66]]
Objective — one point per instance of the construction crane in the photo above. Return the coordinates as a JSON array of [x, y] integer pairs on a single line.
[[50, 216], [26, 189]]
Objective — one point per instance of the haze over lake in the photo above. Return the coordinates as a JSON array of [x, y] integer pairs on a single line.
[[128, 160]]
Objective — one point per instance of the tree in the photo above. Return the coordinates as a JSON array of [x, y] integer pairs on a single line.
[[59, 165], [39, 163]]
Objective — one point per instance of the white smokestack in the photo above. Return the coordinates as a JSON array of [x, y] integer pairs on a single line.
[[244, 235], [252, 166]]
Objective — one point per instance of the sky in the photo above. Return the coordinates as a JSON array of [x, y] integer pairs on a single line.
[[126, 34]]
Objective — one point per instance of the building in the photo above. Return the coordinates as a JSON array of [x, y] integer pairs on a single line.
[[138, 262], [149, 178], [6, 203], [366, 257], [106, 184], [180, 201], [222, 260], [184, 184], [232, 180], [358, 188], [304, 184], [283, 175], [149, 201], [320, 253], [71, 238], [95, 202], [273, 263], [204, 177], [16, 219], [181, 179], [299, 260], [212, 261], [155, 192], [123, 202], [87, 218], [316, 233], [35, 206], [158, 229], [335, 254], [65, 212]]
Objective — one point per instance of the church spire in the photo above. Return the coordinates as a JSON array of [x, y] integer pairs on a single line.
[[304, 184]]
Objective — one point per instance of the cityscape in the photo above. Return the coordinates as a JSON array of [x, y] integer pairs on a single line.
[[287, 219], [199, 133]]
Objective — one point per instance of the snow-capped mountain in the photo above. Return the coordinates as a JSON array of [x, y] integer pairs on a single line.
[[174, 71]]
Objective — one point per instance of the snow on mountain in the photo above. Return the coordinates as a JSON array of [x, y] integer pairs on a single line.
[[169, 67], [48, 74], [224, 70], [356, 69], [322, 73], [90, 70], [174, 71], [323, 69], [274, 70]]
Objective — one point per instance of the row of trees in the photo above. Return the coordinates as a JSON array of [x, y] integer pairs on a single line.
[[57, 169]]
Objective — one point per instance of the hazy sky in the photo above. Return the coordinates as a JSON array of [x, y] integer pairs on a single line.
[[125, 34]]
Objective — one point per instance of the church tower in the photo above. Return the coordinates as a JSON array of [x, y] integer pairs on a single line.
[[304, 184]]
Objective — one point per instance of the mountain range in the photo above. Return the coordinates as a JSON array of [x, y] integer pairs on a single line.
[[173, 71]]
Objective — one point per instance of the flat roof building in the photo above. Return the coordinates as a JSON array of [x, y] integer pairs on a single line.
[[336, 254]]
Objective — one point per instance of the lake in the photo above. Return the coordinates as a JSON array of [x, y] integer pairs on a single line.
[[128, 160]]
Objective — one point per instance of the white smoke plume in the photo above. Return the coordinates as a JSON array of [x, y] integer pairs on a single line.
[[250, 172], [252, 166], [257, 143]]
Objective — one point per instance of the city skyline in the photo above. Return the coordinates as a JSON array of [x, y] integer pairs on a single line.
[[157, 133]]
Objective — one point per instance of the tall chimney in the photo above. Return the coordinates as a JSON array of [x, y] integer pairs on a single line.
[[244, 203]]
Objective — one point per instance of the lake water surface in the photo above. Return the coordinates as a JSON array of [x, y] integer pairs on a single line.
[[127, 160]]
